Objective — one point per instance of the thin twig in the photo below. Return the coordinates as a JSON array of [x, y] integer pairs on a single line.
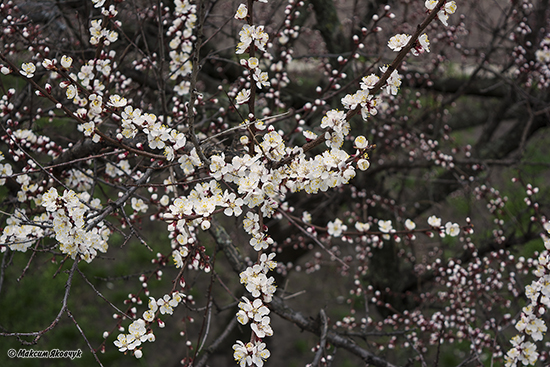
[[28, 262], [216, 344], [346, 266], [102, 296], [85, 338], [295, 294], [71, 162], [208, 318], [205, 328], [109, 209], [38, 334], [133, 231]]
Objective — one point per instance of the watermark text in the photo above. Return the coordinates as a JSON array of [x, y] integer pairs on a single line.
[[53, 353]]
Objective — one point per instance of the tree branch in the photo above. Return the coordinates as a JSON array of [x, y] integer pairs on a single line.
[[278, 306]]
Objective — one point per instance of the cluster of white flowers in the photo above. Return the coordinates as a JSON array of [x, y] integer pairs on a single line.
[[181, 45], [362, 98], [90, 106], [367, 101], [80, 180], [443, 14], [262, 288], [327, 170], [29, 189], [250, 353], [161, 136], [450, 229], [201, 202], [255, 36], [259, 285], [249, 34], [100, 34], [260, 186], [122, 168], [337, 128], [139, 205], [132, 120], [95, 109], [88, 78], [69, 216], [139, 332], [254, 311], [361, 143], [337, 228], [393, 83], [194, 210], [20, 233], [422, 45], [397, 42], [5, 170], [531, 322], [27, 138], [523, 351], [260, 241], [181, 251], [93, 104], [254, 185], [273, 146], [542, 64], [260, 77], [543, 53]]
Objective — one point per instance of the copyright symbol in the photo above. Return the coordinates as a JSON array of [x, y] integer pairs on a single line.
[[12, 353]]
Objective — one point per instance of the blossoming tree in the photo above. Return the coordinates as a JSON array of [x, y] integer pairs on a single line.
[[372, 174]]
